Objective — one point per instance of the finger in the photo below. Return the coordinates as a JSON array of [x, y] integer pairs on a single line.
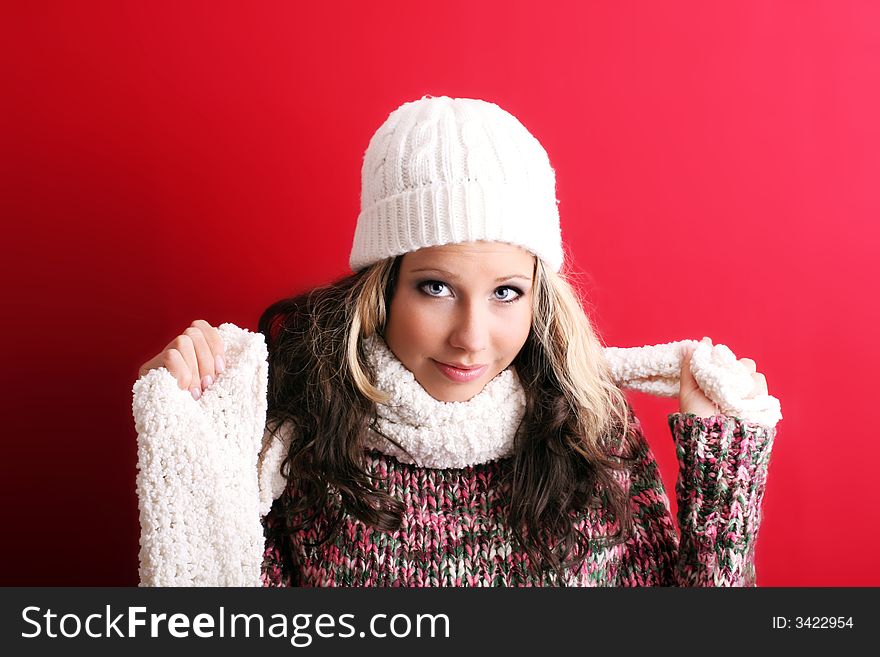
[[190, 378], [686, 377], [175, 362], [760, 383], [204, 356], [212, 335], [749, 363], [146, 367]]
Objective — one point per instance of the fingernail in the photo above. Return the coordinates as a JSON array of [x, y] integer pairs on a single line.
[[207, 381], [196, 393], [219, 364]]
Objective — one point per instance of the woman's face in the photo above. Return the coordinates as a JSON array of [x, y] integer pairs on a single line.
[[466, 305]]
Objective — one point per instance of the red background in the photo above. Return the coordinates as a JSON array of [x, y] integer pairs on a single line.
[[717, 168]]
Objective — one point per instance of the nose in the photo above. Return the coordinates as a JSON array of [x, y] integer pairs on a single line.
[[470, 331]]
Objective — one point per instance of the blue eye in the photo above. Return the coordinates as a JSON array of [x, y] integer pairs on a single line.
[[422, 286], [517, 297]]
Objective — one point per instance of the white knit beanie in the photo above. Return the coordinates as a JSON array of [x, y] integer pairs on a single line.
[[444, 170]]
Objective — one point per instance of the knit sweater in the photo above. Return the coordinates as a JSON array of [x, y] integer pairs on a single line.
[[454, 533], [210, 494]]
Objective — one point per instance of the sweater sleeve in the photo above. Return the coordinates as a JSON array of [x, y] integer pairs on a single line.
[[723, 463]]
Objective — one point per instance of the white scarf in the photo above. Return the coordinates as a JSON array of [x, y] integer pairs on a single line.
[[199, 493], [442, 434]]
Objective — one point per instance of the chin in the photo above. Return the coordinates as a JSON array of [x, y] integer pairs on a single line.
[[456, 393]]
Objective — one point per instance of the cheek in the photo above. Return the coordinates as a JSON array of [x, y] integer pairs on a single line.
[[411, 322], [516, 329]]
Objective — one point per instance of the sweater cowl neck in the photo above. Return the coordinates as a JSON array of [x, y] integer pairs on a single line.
[[440, 434]]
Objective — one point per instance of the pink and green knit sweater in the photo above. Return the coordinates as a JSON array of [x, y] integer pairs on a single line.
[[454, 532]]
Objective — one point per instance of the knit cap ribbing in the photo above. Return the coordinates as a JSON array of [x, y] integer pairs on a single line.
[[444, 170]]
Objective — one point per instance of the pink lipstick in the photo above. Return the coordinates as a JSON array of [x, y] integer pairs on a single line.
[[461, 375]]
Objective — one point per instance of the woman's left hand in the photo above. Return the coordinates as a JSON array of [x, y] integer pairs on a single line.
[[691, 398]]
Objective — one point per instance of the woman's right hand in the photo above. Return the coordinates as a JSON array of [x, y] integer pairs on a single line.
[[194, 358]]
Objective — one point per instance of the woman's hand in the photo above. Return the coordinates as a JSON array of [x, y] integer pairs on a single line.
[[195, 358], [691, 398]]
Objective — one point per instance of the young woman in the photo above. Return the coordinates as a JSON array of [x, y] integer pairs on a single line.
[[447, 415]]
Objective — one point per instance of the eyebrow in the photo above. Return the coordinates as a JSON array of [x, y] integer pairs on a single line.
[[448, 274]]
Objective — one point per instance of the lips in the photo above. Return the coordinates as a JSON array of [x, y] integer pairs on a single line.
[[461, 374], [462, 367]]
